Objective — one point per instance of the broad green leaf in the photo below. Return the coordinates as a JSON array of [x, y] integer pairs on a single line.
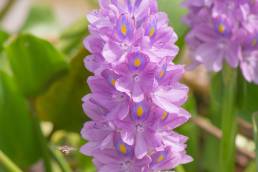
[[17, 132], [216, 95], [191, 131], [209, 154], [71, 39], [35, 63], [248, 104], [175, 13], [3, 37], [62, 104], [93, 3], [41, 21], [3, 61], [180, 169], [255, 123], [251, 167], [7, 164]]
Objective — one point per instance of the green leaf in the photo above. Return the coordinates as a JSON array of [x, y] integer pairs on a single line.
[[251, 167], [59, 158], [61, 104], [3, 37], [180, 169], [7, 164], [3, 61], [248, 101], [17, 132], [210, 151], [255, 123], [72, 38], [228, 123], [35, 63], [216, 96], [41, 21], [192, 131], [175, 13]]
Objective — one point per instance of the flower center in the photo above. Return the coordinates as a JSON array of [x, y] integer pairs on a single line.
[[136, 77], [140, 127], [118, 96], [125, 166]]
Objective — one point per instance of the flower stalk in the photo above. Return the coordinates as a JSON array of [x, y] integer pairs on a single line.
[[228, 122], [8, 164]]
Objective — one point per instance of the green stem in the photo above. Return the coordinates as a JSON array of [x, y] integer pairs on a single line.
[[60, 159], [180, 169], [42, 140], [228, 123], [6, 8], [255, 124], [8, 164]]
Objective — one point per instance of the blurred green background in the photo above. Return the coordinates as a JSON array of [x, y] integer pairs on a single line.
[[42, 81]]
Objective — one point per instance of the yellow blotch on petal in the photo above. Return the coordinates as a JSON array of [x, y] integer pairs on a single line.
[[113, 82], [162, 73], [152, 31], [164, 115], [139, 111], [221, 28], [123, 29], [122, 148], [161, 158], [254, 42], [137, 62]]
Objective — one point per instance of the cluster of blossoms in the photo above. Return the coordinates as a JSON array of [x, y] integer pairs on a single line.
[[224, 31], [136, 95]]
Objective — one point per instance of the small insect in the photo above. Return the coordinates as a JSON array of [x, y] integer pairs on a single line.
[[66, 150]]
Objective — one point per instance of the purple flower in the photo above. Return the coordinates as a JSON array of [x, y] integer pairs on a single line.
[[224, 31], [168, 158], [110, 160], [120, 157], [136, 96], [137, 129], [137, 76], [99, 134], [105, 95]]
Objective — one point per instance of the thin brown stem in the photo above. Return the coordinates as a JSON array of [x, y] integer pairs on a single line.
[[6, 8], [216, 132]]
